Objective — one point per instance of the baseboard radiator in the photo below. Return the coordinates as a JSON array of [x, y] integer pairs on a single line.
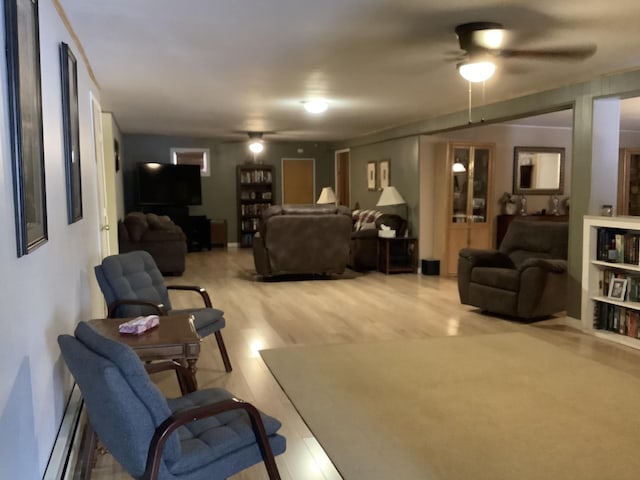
[[67, 451]]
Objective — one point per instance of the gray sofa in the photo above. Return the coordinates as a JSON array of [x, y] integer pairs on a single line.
[[302, 239], [526, 278], [156, 234]]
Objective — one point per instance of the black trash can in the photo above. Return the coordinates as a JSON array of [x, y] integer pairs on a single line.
[[430, 266]]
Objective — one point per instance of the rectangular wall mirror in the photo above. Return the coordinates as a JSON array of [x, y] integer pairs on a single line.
[[538, 171]]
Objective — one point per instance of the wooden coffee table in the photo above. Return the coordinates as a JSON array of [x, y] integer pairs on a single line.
[[174, 339]]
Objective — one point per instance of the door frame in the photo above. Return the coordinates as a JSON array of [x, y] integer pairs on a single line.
[[336, 170]]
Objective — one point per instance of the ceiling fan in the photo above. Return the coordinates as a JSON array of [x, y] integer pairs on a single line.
[[483, 43]]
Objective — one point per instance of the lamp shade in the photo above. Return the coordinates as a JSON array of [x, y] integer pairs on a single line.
[[477, 71], [458, 167], [390, 196], [327, 195]]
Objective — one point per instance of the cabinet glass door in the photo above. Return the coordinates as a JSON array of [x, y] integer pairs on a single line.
[[479, 195], [460, 186], [634, 184]]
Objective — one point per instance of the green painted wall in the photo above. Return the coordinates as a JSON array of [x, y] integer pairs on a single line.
[[580, 97], [403, 174], [219, 189]]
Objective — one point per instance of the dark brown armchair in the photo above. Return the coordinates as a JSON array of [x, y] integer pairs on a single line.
[[302, 239], [526, 278]]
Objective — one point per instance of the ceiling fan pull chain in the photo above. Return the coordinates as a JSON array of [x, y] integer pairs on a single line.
[[470, 102]]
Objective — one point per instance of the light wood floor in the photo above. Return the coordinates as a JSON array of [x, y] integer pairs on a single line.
[[354, 307]]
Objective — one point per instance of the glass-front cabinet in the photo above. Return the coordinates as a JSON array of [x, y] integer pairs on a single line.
[[469, 177], [470, 184], [629, 182]]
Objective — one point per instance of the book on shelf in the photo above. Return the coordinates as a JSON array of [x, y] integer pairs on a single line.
[[615, 318], [618, 246]]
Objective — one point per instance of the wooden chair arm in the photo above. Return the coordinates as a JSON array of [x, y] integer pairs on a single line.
[[183, 375], [177, 420], [158, 307], [194, 288]]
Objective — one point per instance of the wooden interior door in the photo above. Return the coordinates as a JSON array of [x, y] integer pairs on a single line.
[[342, 177], [297, 180]]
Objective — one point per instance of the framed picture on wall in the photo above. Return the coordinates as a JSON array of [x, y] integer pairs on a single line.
[[384, 171], [25, 123], [371, 175], [71, 133]]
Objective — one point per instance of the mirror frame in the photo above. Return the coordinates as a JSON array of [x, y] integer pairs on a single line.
[[517, 190]]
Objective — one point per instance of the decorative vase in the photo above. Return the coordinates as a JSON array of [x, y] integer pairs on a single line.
[[510, 208], [523, 205]]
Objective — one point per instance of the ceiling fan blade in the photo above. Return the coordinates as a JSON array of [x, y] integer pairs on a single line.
[[568, 53]]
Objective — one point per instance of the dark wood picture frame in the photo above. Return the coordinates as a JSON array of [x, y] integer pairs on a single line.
[[25, 123], [71, 133]]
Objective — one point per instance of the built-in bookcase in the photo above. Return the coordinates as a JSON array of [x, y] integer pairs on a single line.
[[255, 194], [611, 278]]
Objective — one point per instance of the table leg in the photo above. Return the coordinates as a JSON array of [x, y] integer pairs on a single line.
[[193, 381]]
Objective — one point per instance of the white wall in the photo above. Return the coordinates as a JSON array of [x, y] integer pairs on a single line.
[[46, 292]]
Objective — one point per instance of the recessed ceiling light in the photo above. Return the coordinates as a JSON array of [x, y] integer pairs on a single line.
[[315, 106]]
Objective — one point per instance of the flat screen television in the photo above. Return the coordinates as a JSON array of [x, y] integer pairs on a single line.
[[168, 184]]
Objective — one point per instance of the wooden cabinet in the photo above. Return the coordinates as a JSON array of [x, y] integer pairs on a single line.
[[611, 254], [629, 182], [465, 194], [255, 194]]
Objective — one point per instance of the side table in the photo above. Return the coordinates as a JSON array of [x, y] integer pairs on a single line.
[[398, 254], [174, 339]]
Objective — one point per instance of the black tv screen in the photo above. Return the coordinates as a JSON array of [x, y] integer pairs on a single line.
[[168, 184]]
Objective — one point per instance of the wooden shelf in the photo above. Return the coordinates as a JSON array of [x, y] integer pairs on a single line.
[[254, 182]]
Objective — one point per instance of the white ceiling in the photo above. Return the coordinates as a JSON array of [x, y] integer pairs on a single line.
[[214, 67]]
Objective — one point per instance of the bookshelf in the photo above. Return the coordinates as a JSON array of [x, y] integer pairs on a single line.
[[255, 194], [611, 250]]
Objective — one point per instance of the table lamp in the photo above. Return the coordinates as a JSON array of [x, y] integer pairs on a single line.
[[327, 196], [390, 197]]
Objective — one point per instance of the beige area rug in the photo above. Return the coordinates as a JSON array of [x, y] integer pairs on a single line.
[[505, 406]]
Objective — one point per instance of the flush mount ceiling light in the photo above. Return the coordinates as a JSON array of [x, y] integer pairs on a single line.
[[477, 71], [315, 106]]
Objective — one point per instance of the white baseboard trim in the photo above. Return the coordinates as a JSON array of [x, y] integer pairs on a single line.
[[64, 456]]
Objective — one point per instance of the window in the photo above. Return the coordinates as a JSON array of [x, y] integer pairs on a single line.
[[192, 156]]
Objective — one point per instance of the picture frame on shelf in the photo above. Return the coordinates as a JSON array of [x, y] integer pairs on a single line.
[[617, 289], [71, 133], [25, 123], [384, 173], [371, 176]]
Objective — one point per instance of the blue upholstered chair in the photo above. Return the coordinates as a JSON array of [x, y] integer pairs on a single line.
[[132, 285], [206, 434]]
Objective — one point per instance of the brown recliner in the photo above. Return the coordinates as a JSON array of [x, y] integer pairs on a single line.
[[156, 234], [302, 239], [526, 278]]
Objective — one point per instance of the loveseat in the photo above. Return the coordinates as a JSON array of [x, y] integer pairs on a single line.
[[302, 239], [156, 234], [526, 278], [364, 236]]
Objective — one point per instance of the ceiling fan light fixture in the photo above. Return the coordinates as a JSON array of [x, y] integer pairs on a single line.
[[477, 71], [315, 106], [489, 38], [256, 146]]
